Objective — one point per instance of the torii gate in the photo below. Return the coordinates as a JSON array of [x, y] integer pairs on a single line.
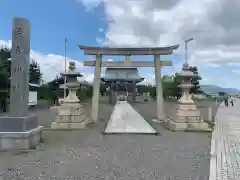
[[158, 64]]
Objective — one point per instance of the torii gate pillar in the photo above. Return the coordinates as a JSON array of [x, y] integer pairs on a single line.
[[159, 89], [96, 88]]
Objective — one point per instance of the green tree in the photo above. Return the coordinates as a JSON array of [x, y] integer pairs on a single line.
[[175, 89], [35, 75], [85, 93], [5, 63], [142, 89], [5, 73], [153, 93], [195, 81], [53, 88], [103, 87], [89, 91], [3, 85], [45, 92], [222, 93]]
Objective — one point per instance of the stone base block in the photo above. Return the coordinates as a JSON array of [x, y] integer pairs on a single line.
[[187, 126], [201, 125], [184, 116], [20, 140], [187, 107], [68, 125], [181, 112], [18, 124], [69, 118], [186, 119]]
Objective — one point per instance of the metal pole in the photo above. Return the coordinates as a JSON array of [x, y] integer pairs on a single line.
[[65, 55], [186, 49], [186, 53]]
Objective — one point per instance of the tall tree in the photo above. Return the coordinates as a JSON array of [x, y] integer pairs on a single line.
[[5, 72], [195, 81], [35, 75], [5, 63], [176, 90], [222, 94], [103, 87], [153, 93]]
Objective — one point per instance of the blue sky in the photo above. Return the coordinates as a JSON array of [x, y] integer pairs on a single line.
[[53, 20]]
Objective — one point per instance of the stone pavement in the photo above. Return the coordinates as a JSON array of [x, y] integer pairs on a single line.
[[90, 155], [125, 119], [225, 144]]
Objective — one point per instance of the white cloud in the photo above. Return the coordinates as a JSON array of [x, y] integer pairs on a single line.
[[213, 65], [5, 44], [100, 30], [89, 77], [50, 64], [90, 4], [149, 80], [234, 64], [214, 24], [236, 71]]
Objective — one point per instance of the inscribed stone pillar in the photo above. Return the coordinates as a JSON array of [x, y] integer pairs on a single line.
[[19, 129], [159, 90], [96, 88], [19, 68]]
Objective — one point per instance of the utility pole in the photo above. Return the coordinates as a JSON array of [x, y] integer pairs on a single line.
[[65, 62], [186, 49]]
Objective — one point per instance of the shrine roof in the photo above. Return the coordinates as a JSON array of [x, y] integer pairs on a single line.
[[128, 51], [136, 80], [122, 74], [121, 69]]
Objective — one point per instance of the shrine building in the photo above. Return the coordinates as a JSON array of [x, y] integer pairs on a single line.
[[121, 81]]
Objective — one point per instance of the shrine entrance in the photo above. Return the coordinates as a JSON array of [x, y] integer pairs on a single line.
[[124, 91], [117, 90], [127, 52], [121, 90], [121, 81]]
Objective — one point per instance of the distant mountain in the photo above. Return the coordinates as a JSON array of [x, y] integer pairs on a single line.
[[213, 89]]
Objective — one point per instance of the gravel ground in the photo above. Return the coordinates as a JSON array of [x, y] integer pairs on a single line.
[[88, 154]]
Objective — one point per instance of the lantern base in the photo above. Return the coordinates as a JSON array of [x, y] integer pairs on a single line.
[[69, 117]]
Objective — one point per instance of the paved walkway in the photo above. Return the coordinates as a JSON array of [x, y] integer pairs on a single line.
[[225, 144], [125, 119]]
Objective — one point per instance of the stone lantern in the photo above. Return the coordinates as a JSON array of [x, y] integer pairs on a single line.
[[186, 76], [71, 113], [187, 116]]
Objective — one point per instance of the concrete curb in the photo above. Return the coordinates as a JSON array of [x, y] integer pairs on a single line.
[[63, 129], [152, 134], [186, 130]]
